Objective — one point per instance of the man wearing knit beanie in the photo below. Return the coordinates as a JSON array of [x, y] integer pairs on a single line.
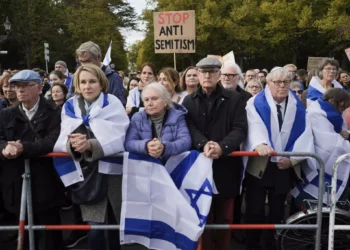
[[62, 66]]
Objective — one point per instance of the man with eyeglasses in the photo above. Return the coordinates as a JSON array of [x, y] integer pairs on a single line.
[[230, 80], [218, 125], [29, 130], [276, 121], [249, 75], [90, 52]]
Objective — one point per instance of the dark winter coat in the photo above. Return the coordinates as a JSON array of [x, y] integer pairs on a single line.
[[47, 188], [226, 125]]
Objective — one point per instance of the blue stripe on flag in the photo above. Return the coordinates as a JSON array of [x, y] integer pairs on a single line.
[[179, 173], [333, 115], [299, 125], [105, 100], [64, 166], [69, 108], [313, 93], [116, 160], [315, 181], [158, 230], [264, 110], [147, 158]]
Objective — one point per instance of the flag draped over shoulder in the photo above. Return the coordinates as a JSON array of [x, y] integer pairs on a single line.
[[316, 90], [295, 135], [165, 208], [329, 145], [108, 122]]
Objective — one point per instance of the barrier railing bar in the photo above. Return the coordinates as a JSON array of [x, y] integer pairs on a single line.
[[320, 187], [342, 227], [332, 227], [242, 226], [29, 204], [210, 226], [22, 214]]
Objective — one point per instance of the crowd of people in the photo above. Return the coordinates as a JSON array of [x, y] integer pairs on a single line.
[[212, 108]]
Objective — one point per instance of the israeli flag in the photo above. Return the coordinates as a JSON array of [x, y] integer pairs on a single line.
[[107, 60], [106, 115], [316, 90], [165, 208], [326, 123]]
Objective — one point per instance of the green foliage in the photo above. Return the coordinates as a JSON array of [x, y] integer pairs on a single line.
[[37, 21], [262, 33]]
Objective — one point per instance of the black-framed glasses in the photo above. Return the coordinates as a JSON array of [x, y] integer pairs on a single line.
[[230, 76], [298, 91]]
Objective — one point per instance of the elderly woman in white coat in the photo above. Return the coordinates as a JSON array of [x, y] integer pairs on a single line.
[[93, 126]]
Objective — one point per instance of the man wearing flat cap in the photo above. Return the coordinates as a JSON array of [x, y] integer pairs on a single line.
[[29, 130], [218, 125]]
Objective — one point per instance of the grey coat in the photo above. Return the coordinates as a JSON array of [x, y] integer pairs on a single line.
[[98, 212]]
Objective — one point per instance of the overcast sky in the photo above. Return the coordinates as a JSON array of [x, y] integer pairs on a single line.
[[130, 35]]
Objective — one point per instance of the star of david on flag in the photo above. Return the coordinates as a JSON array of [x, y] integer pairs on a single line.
[[195, 195], [166, 207]]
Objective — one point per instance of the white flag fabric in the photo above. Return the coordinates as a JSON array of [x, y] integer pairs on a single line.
[[107, 114], [108, 58], [165, 208], [295, 135], [316, 90], [329, 145]]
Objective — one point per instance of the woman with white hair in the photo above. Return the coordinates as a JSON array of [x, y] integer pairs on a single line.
[[160, 130]]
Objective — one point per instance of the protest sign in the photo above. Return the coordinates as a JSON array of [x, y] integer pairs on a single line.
[[229, 57], [347, 51], [174, 32], [314, 62]]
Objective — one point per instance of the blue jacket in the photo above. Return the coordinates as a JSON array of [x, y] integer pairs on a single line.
[[175, 135], [115, 85]]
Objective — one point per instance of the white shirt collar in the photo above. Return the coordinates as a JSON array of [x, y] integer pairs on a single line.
[[33, 109], [30, 113], [283, 104]]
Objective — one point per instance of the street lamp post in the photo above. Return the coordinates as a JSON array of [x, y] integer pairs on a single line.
[[7, 26]]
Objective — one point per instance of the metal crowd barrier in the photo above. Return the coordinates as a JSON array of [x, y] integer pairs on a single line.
[[26, 202], [332, 226]]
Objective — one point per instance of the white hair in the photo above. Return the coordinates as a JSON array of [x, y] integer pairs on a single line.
[[161, 90], [233, 65], [238, 70], [278, 73]]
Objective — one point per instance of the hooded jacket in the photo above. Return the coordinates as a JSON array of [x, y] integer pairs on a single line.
[[174, 135]]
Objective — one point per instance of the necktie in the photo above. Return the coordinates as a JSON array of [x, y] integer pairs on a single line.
[[279, 115]]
